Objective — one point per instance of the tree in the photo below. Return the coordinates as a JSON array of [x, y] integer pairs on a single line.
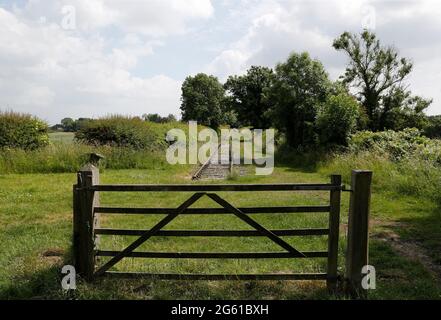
[[377, 73], [402, 110], [156, 118], [203, 100], [300, 85], [68, 124], [433, 127], [170, 118], [152, 117], [246, 97], [337, 118]]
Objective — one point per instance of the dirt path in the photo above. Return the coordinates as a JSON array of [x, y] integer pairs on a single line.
[[411, 250]]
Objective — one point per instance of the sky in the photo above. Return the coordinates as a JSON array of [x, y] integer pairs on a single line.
[[91, 58]]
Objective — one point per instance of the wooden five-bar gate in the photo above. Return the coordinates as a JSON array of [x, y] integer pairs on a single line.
[[87, 230]]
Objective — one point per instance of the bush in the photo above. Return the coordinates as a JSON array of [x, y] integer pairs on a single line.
[[337, 119], [22, 131], [397, 145], [121, 131]]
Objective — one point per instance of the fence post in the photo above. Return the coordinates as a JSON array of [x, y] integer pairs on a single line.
[[334, 225], [358, 232], [85, 221]]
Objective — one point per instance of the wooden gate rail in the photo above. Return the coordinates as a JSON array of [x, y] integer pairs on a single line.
[[87, 230], [213, 187]]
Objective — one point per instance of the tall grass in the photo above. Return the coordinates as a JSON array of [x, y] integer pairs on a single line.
[[408, 176], [61, 157], [67, 155]]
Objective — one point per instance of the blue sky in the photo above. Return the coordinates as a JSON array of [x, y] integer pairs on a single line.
[[89, 58]]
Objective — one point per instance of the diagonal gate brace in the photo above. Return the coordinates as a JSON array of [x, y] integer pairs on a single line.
[[148, 234], [238, 213]]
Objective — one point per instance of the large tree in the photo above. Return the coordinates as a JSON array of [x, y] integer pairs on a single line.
[[246, 97], [203, 100], [300, 86], [378, 74]]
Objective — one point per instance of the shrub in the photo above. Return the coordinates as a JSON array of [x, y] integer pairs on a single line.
[[397, 144], [22, 131], [120, 131], [337, 119]]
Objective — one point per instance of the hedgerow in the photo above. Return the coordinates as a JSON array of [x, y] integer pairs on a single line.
[[22, 131]]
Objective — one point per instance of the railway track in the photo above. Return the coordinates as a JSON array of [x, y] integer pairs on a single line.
[[215, 169]]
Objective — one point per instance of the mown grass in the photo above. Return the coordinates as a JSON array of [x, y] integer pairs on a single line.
[[36, 214], [64, 137]]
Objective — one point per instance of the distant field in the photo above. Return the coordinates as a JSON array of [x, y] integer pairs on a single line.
[[65, 137]]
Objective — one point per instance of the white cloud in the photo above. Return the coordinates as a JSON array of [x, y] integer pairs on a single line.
[[151, 17], [49, 72]]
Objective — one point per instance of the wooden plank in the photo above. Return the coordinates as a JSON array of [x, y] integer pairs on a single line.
[[148, 234], [213, 233], [334, 228], [358, 231], [215, 255], [247, 210], [171, 276], [215, 187], [276, 239]]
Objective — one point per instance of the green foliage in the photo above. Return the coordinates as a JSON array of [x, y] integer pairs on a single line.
[[411, 176], [121, 131], [433, 127], [406, 144], [156, 118], [300, 85], [403, 162], [246, 97], [22, 131], [65, 155], [402, 110], [378, 73], [336, 119], [203, 100], [70, 125]]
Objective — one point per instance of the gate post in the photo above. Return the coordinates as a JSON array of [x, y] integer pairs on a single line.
[[85, 221], [334, 226], [358, 232]]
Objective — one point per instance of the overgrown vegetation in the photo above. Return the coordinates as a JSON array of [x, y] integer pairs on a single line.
[[125, 143], [22, 131], [405, 162], [120, 131]]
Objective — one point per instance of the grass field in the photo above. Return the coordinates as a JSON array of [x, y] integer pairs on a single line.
[[63, 137], [36, 229]]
